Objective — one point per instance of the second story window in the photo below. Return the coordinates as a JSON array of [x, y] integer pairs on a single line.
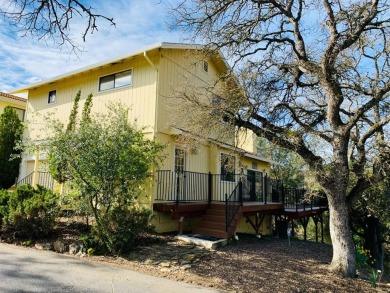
[[52, 97], [115, 80], [228, 163], [206, 66]]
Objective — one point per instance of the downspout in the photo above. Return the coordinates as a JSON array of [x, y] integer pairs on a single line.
[[155, 116], [156, 98]]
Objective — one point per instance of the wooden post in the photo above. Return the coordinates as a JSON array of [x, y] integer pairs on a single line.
[[305, 221], [292, 228], [180, 228], [240, 192], [210, 190], [322, 228], [36, 168], [316, 219]]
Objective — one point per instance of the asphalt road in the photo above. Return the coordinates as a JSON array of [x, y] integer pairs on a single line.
[[30, 270]]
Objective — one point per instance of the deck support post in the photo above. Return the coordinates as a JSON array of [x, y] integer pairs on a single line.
[[292, 228], [258, 221], [210, 187], [304, 221], [180, 228], [322, 228], [316, 219]]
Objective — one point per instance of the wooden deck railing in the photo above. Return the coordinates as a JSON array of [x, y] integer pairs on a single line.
[[43, 178]]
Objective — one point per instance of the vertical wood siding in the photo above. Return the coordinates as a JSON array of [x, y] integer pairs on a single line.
[[140, 97]]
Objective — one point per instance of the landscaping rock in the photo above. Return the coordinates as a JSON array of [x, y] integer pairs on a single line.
[[165, 264], [43, 246], [59, 246], [185, 267], [73, 248]]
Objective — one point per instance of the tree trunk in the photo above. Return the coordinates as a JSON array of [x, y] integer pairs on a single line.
[[343, 261]]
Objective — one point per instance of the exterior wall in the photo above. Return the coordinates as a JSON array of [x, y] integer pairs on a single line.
[[139, 97], [246, 140], [163, 223], [255, 164]]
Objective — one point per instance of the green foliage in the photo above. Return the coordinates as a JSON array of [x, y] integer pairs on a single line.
[[27, 243], [289, 167], [122, 226], [32, 212], [108, 161], [73, 115], [362, 256], [370, 218], [374, 276], [4, 210], [11, 131]]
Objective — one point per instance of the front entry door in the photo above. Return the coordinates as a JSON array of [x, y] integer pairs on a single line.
[[180, 168], [255, 185]]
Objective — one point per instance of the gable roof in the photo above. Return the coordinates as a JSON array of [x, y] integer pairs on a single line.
[[142, 51], [12, 97]]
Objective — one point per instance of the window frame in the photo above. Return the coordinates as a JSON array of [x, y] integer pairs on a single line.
[[205, 66], [227, 176], [49, 101], [114, 75]]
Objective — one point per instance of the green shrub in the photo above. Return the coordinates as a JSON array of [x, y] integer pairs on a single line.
[[32, 212], [4, 198], [119, 230]]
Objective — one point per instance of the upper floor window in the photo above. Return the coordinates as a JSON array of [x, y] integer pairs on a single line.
[[52, 97], [206, 66], [115, 80], [228, 163]]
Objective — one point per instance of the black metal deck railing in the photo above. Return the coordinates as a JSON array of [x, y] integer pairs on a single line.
[[297, 199], [233, 203], [185, 186]]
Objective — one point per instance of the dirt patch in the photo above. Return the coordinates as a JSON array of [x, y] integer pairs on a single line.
[[248, 265]]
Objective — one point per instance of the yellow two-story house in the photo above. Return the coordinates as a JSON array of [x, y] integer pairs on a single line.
[[192, 190]]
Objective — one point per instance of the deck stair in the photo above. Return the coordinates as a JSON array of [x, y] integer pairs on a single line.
[[213, 222]]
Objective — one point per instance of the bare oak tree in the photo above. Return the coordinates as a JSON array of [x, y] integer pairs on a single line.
[[51, 18], [306, 70]]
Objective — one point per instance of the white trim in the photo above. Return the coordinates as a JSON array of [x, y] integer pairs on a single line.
[[186, 156], [160, 45]]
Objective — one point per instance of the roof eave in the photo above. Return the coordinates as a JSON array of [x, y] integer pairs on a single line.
[[163, 45]]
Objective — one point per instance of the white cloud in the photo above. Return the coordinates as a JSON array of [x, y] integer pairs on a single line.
[[138, 23]]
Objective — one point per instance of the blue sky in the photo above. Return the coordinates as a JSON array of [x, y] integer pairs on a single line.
[[25, 60]]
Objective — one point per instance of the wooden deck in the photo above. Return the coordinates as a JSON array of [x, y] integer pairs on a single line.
[[213, 215]]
